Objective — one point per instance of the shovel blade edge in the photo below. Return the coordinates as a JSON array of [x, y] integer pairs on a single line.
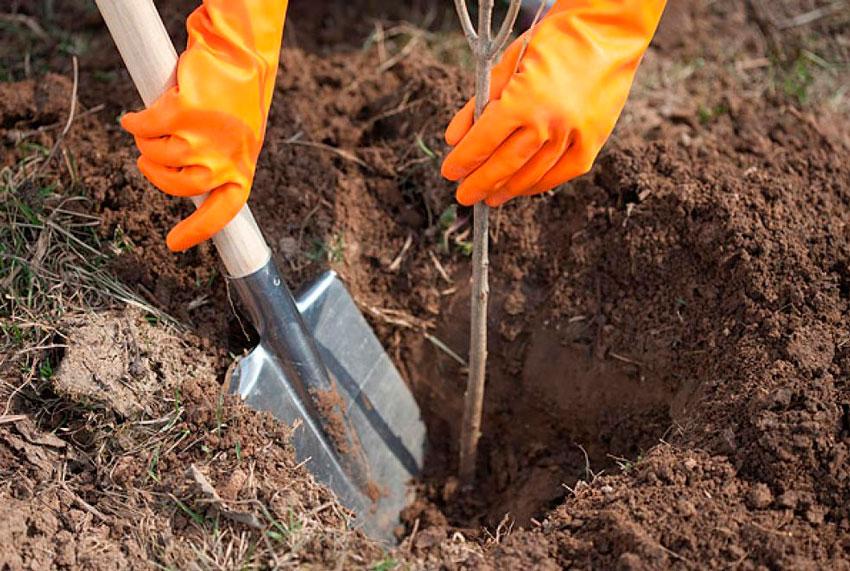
[[381, 412]]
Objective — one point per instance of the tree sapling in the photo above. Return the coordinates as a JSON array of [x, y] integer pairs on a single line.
[[485, 47]]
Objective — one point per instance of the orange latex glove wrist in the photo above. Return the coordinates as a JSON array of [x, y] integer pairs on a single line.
[[552, 108], [204, 135]]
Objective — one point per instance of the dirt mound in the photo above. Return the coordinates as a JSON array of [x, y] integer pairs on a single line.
[[718, 264], [50, 526]]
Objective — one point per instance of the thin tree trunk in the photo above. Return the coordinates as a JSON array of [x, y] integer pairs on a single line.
[[485, 49]]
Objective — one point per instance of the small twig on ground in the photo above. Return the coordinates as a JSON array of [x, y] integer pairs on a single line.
[[812, 15], [404, 105], [71, 113], [213, 498], [766, 529], [446, 349], [749, 64], [417, 34], [340, 152], [587, 471], [10, 401], [396, 263], [625, 359], [503, 530], [440, 269], [199, 301], [39, 348], [398, 317], [83, 504], [412, 537], [22, 135], [402, 53], [379, 41], [27, 21], [406, 321], [675, 555], [8, 419]]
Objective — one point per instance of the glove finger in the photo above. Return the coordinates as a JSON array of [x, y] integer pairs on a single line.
[[508, 159], [170, 151], [507, 66], [535, 169], [185, 181], [576, 162], [215, 213], [155, 121], [482, 140], [498, 198], [502, 72], [461, 123]]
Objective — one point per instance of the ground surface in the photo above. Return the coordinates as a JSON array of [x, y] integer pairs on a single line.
[[670, 354]]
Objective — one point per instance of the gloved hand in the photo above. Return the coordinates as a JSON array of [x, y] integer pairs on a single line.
[[205, 134], [551, 110]]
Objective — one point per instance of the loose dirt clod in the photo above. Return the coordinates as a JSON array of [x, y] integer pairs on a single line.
[[121, 362], [331, 409]]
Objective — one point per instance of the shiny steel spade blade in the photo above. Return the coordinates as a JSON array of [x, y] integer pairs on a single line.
[[370, 471]]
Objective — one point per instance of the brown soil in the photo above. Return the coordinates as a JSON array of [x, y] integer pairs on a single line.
[[669, 357], [330, 407], [120, 490]]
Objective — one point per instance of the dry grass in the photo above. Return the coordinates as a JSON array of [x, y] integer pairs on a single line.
[[52, 265]]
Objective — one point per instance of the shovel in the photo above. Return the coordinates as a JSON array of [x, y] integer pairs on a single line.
[[319, 366]]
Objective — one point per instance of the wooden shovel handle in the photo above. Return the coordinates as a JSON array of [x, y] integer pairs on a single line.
[[150, 58]]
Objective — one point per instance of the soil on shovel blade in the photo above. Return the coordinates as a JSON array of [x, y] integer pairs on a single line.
[[669, 357]]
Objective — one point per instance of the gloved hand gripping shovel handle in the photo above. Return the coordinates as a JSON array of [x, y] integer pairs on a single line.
[[150, 58]]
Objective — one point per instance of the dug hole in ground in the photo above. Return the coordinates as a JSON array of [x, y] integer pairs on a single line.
[[669, 350]]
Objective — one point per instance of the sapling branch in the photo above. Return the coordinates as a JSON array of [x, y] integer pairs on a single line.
[[484, 49], [466, 23], [504, 34], [485, 32]]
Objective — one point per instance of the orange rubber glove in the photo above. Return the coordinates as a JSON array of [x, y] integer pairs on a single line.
[[551, 112], [205, 134]]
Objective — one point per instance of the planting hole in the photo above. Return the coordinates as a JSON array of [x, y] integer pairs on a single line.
[[559, 408]]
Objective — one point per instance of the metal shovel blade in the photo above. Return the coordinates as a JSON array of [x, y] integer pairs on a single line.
[[385, 435]]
